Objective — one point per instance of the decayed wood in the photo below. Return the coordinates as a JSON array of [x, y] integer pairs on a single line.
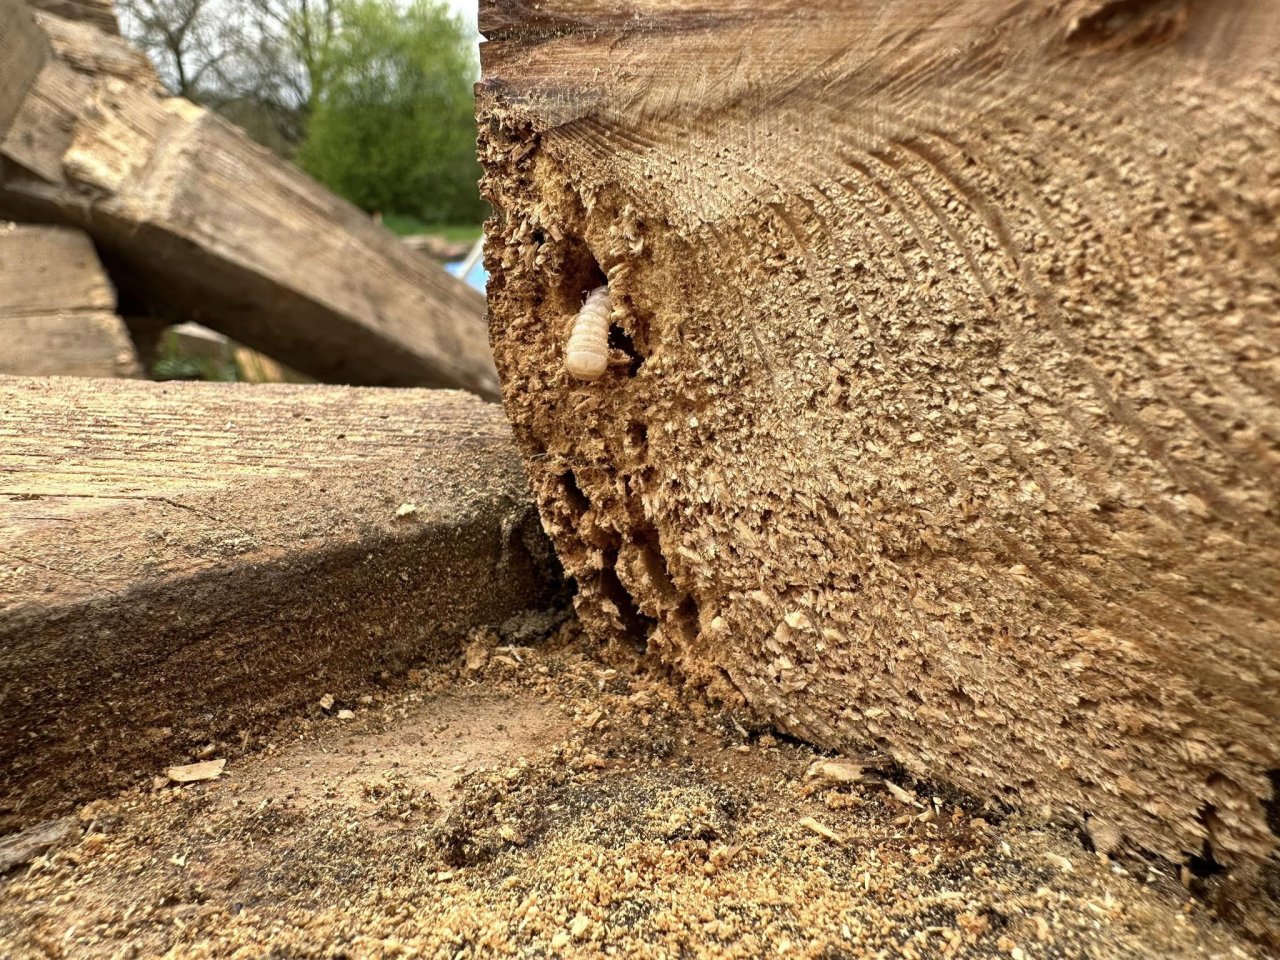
[[198, 223], [181, 563], [57, 308], [943, 406]]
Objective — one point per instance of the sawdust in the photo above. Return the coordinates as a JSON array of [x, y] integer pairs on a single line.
[[547, 803]]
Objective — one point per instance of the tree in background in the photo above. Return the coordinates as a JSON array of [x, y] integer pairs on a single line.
[[392, 129], [193, 43], [372, 99], [261, 63]]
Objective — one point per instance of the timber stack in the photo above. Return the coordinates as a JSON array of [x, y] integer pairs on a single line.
[[195, 223], [185, 564], [942, 412]]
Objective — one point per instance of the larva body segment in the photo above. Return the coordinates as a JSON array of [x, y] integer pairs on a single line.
[[586, 355]]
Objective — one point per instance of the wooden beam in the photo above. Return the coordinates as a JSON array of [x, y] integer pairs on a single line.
[[57, 307], [98, 14], [198, 223], [182, 563], [943, 411]]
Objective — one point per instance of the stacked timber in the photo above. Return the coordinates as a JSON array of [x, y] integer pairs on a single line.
[[57, 307], [196, 223], [942, 401], [181, 564]]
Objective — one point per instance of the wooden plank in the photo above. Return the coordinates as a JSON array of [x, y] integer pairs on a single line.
[[57, 307], [46, 269], [943, 412], [98, 14], [198, 223], [23, 51], [67, 344], [181, 563], [84, 46]]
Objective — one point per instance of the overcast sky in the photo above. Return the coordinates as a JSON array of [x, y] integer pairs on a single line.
[[465, 7]]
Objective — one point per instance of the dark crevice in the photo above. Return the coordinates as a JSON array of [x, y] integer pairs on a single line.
[[1204, 865], [635, 624], [580, 273], [619, 339], [1119, 24], [572, 496], [1271, 807]]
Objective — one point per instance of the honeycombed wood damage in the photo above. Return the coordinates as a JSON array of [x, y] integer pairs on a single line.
[[943, 412]]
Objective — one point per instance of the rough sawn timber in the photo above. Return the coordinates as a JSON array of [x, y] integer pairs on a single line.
[[180, 564], [945, 409], [196, 222], [57, 307]]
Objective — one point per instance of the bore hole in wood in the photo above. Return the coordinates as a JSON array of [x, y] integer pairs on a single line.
[[580, 274], [572, 495], [619, 339], [638, 437], [635, 624]]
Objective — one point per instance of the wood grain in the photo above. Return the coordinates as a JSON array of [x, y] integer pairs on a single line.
[[57, 307], [182, 563], [196, 222], [98, 14], [946, 410]]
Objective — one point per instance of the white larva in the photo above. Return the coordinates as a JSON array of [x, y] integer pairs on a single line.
[[586, 355]]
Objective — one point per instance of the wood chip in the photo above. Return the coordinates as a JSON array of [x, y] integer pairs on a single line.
[[477, 655], [24, 847], [840, 772], [903, 796], [821, 830], [195, 772]]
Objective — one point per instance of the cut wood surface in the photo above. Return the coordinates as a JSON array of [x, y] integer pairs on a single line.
[[198, 223], [181, 563], [57, 308], [944, 410]]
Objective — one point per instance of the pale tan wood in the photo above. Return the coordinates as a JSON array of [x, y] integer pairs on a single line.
[[945, 414], [84, 46], [23, 51], [256, 367], [183, 562], [57, 307], [199, 223], [71, 344], [46, 269], [99, 14]]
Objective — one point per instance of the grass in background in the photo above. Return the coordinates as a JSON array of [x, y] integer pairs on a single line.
[[403, 226]]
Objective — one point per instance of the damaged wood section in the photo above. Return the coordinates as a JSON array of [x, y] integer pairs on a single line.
[[57, 307], [942, 413], [182, 563], [195, 222]]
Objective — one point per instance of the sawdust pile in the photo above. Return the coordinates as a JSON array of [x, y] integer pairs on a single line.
[[538, 803]]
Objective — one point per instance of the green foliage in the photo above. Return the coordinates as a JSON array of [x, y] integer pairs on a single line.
[[393, 129], [173, 362], [403, 226]]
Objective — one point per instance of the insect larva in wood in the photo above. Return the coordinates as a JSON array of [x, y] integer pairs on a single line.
[[586, 355]]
